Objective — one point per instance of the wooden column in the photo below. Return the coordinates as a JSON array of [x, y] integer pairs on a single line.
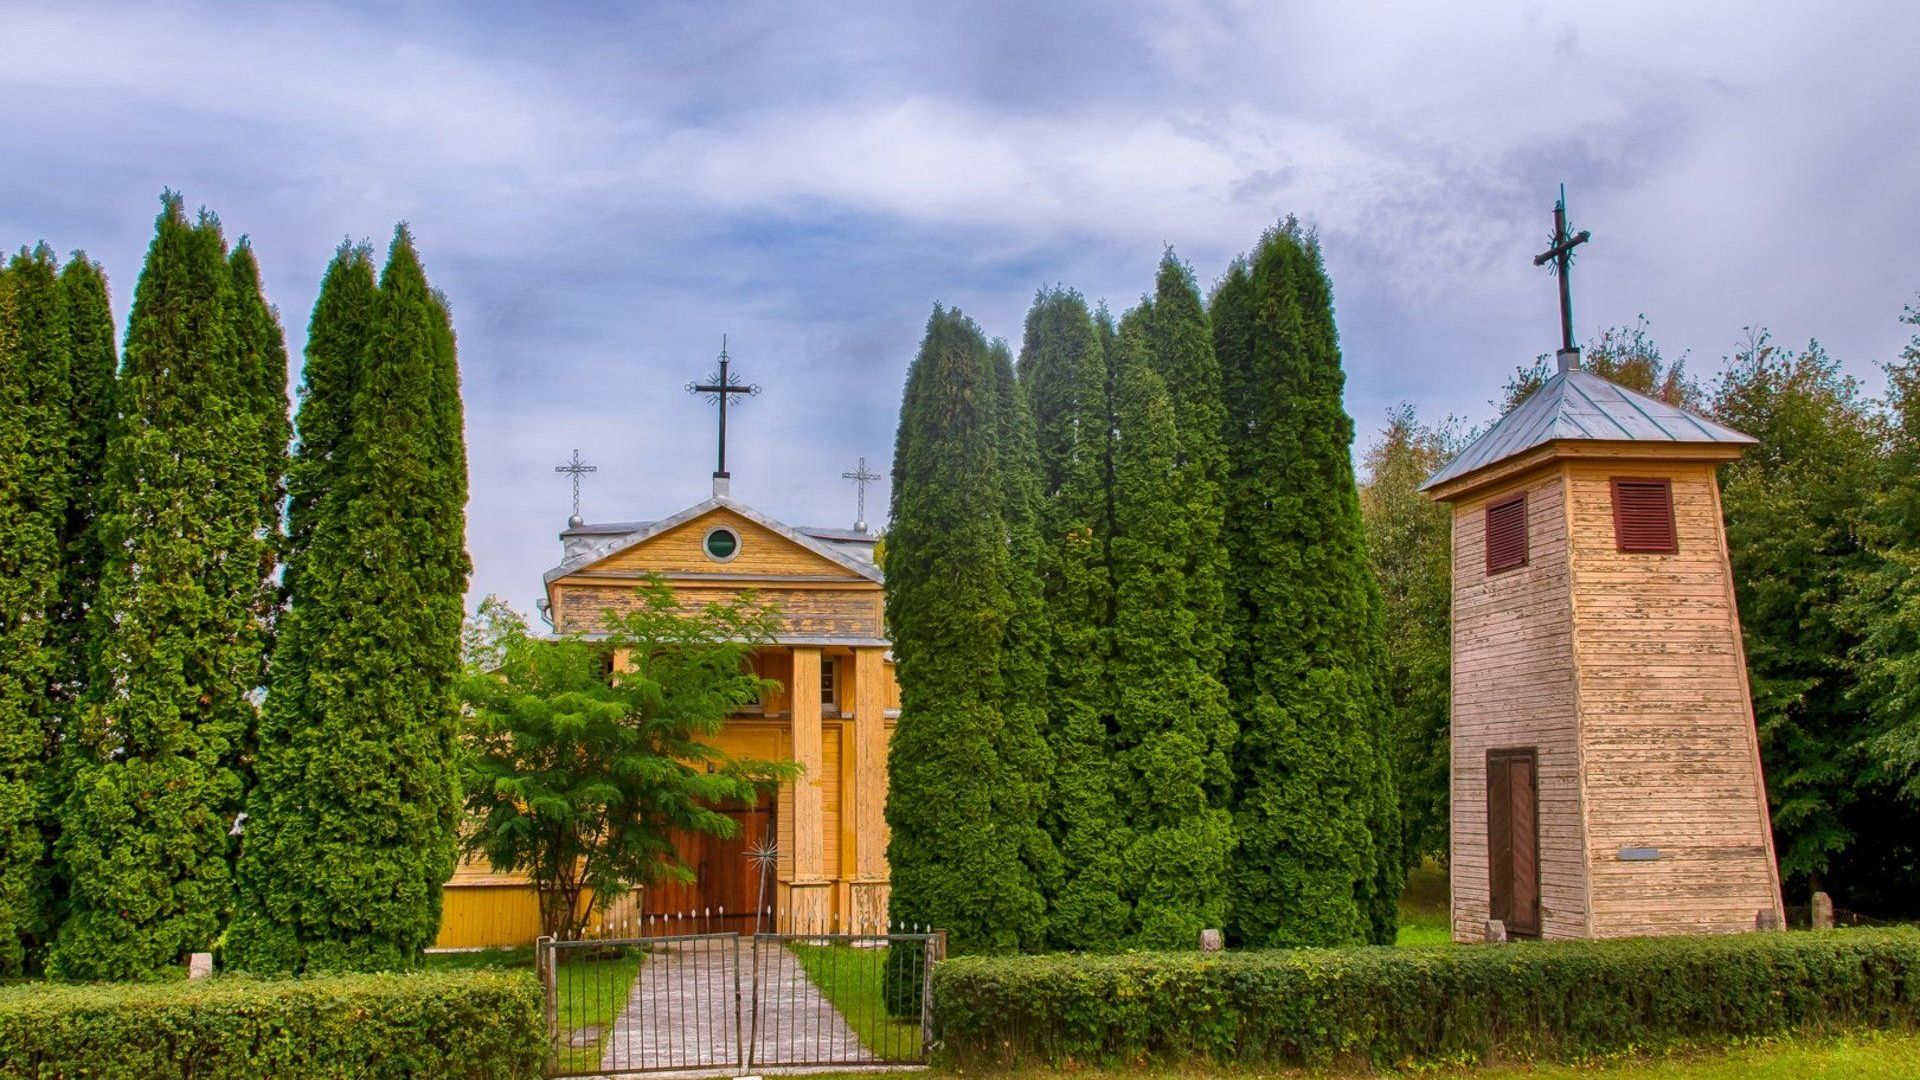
[[866, 804], [811, 891]]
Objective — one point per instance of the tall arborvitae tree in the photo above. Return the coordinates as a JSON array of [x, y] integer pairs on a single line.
[[1063, 371], [1318, 859], [350, 858], [955, 861], [1021, 798], [262, 349], [278, 909], [157, 779], [34, 407], [1171, 723], [92, 363]]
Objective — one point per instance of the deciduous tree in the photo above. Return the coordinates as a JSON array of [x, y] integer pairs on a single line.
[[584, 757]]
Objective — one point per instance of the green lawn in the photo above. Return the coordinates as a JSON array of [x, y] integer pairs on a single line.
[[1864, 1056], [1421, 928], [592, 990], [851, 979]]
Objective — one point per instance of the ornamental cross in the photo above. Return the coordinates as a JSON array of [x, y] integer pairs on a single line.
[[576, 469], [719, 387], [1560, 254], [861, 477]]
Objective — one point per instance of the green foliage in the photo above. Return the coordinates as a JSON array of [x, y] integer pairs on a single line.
[[1063, 369], [34, 410], [280, 824], [156, 774], [1314, 803], [454, 1025], [1410, 546], [1172, 730], [1887, 603], [92, 362], [578, 779], [962, 850], [261, 350], [1021, 791], [1793, 506], [1627, 355], [357, 832], [1405, 1008]]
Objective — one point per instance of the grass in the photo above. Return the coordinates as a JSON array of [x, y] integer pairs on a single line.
[[851, 979], [1419, 929], [593, 990], [1860, 1056], [1424, 919]]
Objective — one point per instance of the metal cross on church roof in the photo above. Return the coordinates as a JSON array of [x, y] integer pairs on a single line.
[[576, 468], [719, 387], [1560, 254], [861, 477]]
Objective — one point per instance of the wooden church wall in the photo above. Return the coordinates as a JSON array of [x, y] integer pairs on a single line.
[[1513, 687], [762, 551], [1658, 647]]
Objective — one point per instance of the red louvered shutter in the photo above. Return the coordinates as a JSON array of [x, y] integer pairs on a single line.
[[1643, 516], [1507, 533]]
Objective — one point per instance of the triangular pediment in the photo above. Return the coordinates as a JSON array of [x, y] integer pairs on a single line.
[[678, 545]]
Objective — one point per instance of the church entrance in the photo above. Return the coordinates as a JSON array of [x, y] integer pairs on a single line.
[[726, 882]]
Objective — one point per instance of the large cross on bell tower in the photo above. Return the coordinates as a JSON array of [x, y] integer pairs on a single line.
[[1560, 254], [720, 386]]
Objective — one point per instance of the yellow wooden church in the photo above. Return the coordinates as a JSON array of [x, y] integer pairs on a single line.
[[832, 712]]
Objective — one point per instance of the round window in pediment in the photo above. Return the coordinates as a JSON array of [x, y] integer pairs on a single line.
[[721, 543]]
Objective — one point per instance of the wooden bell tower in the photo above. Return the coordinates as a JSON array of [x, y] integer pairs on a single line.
[[1606, 773]]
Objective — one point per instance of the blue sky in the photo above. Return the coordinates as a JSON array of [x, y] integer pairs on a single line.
[[603, 190]]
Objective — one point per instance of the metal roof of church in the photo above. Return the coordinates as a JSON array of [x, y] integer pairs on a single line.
[[1579, 405]]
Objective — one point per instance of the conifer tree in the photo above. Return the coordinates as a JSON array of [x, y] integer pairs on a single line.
[[262, 350], [275, 898], [93, 360], [1021, 798], [351, 861], [34, 351], [1313, 806], [1171, 722], [1063, 370], [956, 861], [157, 781]]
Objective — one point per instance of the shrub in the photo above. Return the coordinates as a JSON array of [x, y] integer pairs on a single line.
[[1393, 1007], [453, 1024]]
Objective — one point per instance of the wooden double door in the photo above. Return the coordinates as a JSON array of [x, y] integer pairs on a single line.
[[726, 884], [1513, 840]]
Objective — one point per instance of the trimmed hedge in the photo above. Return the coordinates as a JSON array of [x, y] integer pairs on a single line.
[[467, 1024], [1396, 1007]]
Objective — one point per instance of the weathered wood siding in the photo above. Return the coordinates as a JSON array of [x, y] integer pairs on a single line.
[[762, 551], [1667, 725], [1513, 687]]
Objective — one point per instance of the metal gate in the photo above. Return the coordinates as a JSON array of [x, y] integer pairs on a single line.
[[730, 1004]]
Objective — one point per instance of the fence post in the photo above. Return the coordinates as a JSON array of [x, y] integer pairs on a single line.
[[934, 950], [544, 962]]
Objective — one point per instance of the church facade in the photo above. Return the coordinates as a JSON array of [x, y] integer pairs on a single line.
[[832, 708]]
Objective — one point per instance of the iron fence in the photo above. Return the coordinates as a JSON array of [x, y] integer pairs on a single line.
[[730, 1004]]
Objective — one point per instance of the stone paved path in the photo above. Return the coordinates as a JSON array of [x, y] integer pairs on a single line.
[[681, 1012]]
